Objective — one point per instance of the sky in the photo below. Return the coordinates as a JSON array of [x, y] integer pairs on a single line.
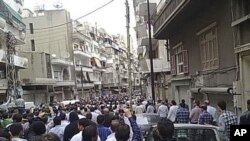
[[111, 18]]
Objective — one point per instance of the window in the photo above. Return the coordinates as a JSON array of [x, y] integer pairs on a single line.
[[33, 47], [179, 60], [57, 75], [209, 49], [31, 28]]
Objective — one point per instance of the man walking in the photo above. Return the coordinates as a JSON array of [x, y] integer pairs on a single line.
[[211, 110], [182, 115], [205, 117], [163, 110], [195, 112], [226, 119], [172, 111]]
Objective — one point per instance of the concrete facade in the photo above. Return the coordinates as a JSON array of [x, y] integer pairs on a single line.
[[182, 29]]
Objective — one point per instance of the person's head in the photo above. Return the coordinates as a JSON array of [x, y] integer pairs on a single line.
[[63, 116], [5, 115], [5, 134], [122, 133], [164, 130], [105, 111], [206, 102], [16, 129], [173, 102], [248, 104], [90, 133], [197, 103], [100, 119], [38, 127], [183, 101], [204, 107], [57, 121], [19, 96], [82, 123], [89, 116], [17, 118], [73, 117], [222, 105], [114, 125], [49, 137]]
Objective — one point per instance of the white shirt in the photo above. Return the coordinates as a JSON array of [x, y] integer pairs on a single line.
[[94, 117], [172, 113], [163, 111], [111, 137], [64, 123], [211, 110], [78, 137], [58, 130]]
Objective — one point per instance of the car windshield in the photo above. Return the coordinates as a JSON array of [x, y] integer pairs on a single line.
[[147, 119]]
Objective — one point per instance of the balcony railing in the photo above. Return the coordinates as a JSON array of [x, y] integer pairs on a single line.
[[168, 9]]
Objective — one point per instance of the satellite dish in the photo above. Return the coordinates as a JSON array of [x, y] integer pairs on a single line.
[[65, 54], [58, 4]]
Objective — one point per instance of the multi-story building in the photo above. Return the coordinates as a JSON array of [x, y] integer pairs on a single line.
[[241, 31], [11, 22], [50, 76], [89, 60], [200, 40], [159, 54]]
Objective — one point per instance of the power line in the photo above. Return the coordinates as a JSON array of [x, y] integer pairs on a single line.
[[89, 13]]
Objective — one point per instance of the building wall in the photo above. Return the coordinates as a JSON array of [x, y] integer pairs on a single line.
[[219, 12]]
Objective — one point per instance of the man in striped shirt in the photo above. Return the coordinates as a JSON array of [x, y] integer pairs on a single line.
[[205, 117]]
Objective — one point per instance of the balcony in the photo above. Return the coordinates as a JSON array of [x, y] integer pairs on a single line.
[[159, 65], [143, 8], [141, 30], [19, 62], [58, 61], [65, 83], [85, 85], [80, 68], [168, 10], [81, 54], [38, 81]]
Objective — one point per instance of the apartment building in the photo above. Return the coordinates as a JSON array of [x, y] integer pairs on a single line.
[[241, 30], [50, 76], [11, 23], [160, 52], [201, 47]]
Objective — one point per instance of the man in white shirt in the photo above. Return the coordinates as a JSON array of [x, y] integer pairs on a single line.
[[211, 110], [58, 129], [82, 123], [172, 111], [114, 126], [162, 110]]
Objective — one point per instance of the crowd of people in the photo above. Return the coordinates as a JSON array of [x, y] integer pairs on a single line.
[[108, 119]]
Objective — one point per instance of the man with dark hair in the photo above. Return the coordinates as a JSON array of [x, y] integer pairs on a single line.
[[183, 102], [164, 130], [195, 112], [122, 132], [114, 126], [226, 119], [211, 110], [20, 104], [64, 121], [103, 131], [205, 117], [16, 131], [182, 114], [17, 118], [88, 115], [57, 129], [49, 137], [6, 120], [245, 117], [108, 117], [72, 128], [172, 111]]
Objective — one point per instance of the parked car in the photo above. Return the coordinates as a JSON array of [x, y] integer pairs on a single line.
[[146, 121], [193, 132]]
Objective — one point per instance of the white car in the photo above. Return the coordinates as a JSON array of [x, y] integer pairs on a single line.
[[194, 132]]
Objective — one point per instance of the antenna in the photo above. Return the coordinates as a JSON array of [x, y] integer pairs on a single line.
[[58, 4]]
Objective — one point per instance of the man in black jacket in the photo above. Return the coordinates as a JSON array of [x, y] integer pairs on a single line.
[[245, 117], [72, 128]]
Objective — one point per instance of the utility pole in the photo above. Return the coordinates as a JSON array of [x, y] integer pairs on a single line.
[[10, 66], [151, 54], [129, 55]]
